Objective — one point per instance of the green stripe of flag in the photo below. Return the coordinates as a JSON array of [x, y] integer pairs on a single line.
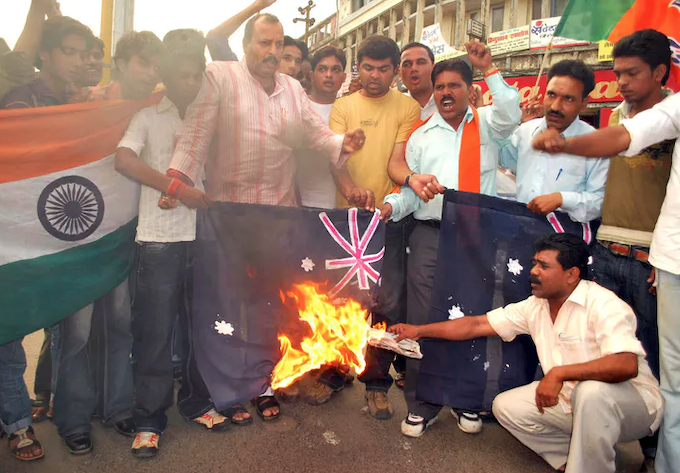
[[39, 292], [591, 20]]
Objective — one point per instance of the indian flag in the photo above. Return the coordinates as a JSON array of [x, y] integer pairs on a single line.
[[595, 20], [67, 218]]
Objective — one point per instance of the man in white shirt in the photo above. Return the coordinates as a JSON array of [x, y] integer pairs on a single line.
[[647, 128], [565, 182], [415, 71], [597, 390], [162, 274]]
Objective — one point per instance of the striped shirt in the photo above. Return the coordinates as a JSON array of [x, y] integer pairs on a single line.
[[251, 159]]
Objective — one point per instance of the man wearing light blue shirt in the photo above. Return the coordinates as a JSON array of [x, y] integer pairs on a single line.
[[563, 181], [457, 145]]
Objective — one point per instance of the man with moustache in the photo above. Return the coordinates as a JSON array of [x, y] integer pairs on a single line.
[[547, 183], [452, 145], [597, 390], [253, 158]]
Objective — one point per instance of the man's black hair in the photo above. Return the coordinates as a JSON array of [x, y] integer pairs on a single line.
[[56, 29], [301, 46], [576, 69], [328, 51], [183, 39], [416, 44], [379, 47], [250, 25], [572, 251], [455, 65], [651, 46]]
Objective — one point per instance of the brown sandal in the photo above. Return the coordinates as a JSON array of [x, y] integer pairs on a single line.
[[24, 439]]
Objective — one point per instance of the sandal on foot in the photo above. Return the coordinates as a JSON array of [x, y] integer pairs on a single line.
[[145, 445], [263, 403], [213, 421], [232, 411], [23, 440]]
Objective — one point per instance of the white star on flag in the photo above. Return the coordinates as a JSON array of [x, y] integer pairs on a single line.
[[358, 263], [224, 328], [514, 267], [307, 265], [455, 312]]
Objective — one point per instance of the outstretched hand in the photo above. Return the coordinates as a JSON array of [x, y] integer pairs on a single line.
[[551, 141], [405, 331], [426, 186], [354, 141]]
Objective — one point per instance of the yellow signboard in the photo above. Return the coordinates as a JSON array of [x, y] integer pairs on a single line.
[[604, 51]]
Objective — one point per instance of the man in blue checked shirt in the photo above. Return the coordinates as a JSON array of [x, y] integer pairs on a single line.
[[565, 182]]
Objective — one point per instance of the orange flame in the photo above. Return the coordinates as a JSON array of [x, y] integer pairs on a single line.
[[380, 326], [339, 335]]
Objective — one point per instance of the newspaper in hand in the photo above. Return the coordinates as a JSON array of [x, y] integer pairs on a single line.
[[387, 340]]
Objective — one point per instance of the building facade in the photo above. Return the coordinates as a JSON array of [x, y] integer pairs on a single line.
[[404, 21]]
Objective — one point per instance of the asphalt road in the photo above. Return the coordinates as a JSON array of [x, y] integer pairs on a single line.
[[336, 437]]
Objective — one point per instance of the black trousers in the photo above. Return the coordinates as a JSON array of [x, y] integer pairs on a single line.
[[390, 307]]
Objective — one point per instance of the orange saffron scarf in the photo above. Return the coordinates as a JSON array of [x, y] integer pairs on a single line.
[[469, 158]]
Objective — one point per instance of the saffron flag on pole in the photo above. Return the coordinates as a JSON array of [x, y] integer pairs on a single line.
[[67, 217], [246, 257], [484, 260], [613, 19]]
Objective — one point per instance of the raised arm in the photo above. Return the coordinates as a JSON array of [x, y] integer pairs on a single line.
[[218, 37], [29, 40], [610, 141], [465, 328]]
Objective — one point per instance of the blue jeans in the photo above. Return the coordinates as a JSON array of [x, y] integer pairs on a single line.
[[15, 405], [161, 289], [627, 278], [109, 391], [668, 455], [45, 383]]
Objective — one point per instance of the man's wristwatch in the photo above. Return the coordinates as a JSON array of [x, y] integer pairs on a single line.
[[408, 179]]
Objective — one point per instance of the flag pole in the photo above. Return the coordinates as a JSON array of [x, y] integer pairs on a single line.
[[544, 63], [107, 37]]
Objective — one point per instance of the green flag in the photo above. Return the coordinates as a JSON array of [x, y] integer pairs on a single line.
[[591, 20]]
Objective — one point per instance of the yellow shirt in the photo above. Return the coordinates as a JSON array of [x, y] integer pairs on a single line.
[[386, 121]]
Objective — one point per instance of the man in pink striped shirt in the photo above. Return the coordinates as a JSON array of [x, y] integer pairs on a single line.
[[257, 117]]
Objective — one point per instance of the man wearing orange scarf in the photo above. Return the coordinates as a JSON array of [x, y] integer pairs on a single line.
[[458, 146]]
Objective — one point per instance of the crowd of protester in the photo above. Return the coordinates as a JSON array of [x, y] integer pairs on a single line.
[[603, 345]]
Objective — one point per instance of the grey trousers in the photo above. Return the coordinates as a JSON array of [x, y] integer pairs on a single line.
[[603, 415], [422, 263]]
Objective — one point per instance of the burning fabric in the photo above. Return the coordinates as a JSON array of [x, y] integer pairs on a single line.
[[246, 256], [385, 340]]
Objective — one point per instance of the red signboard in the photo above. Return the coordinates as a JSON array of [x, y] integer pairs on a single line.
[[606, 88]]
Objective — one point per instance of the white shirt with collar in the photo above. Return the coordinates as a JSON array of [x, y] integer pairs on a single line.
[[429, 108], [591, 324], [580, 181], [151, 135], [661, 122]]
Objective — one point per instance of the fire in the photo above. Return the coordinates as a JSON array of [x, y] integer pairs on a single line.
[[339, 336], [380, 326]]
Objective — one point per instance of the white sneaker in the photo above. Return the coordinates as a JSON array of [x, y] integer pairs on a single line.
[[415, 426], [468, 422]]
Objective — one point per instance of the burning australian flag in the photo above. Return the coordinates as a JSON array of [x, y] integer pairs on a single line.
[[246, 257]]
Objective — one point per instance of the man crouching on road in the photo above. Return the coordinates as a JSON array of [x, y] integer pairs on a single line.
[[598, 389]]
